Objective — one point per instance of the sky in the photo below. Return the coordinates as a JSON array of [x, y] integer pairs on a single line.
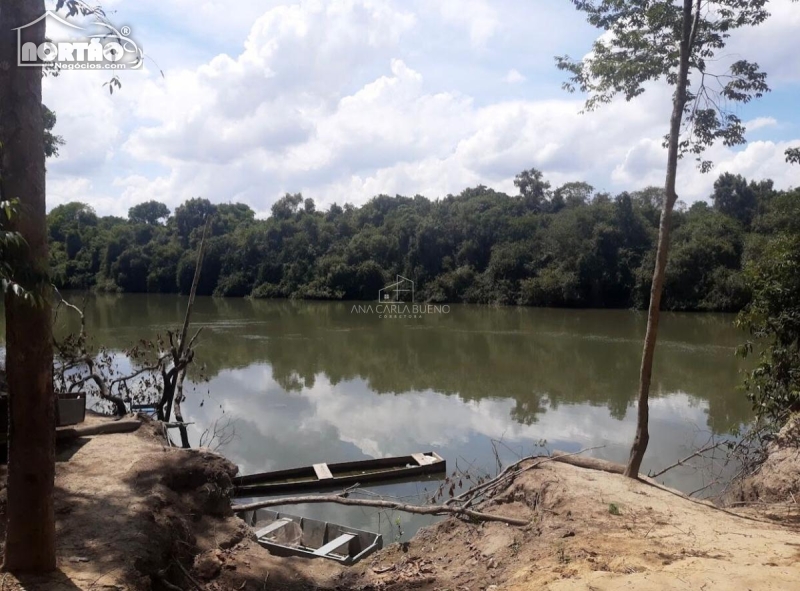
[[343, 100]]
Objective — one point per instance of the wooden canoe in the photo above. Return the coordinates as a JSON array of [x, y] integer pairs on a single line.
[[342, 475], [289, 535]]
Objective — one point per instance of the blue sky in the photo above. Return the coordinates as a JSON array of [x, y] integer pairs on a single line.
[[346, 99]]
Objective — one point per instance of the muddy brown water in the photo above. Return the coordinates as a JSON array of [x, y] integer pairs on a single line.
[[310, 382]]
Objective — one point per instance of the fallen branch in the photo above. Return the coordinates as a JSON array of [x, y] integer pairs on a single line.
[[189, 577], [416, 509], [681, 462], [588, 463], [123, 426], [511, 472], [466, 499], [614, 468], [167, 584]]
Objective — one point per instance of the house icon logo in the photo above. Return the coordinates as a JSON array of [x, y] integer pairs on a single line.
[[99, 46], [399, 292]]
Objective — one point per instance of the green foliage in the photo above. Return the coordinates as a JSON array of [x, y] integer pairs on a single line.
[[704, 264], [11, 242], [567, 248], [735, 198], [52, 142], [644, 43], [533, 189], [793, 155], [190, 217], [149, 212], [11, 245], [773, 319]]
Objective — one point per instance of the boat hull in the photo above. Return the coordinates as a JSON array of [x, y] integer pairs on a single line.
[[290, 535], [342, 475]]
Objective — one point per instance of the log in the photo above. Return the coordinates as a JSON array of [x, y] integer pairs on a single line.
[[123, 426], [586, 462]]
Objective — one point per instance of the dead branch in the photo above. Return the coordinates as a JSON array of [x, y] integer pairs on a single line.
[[589, 463], [614, 468], [416, 509], [82, 356], [181, 352], [682, 461], [193, 290], [221, 432], [189, 577], [124, 426], [510, 473], [166, 583], [456, 506]]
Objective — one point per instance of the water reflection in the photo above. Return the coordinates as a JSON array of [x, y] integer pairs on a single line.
[[309, 382]]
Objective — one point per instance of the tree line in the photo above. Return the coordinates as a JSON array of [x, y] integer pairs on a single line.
[[569, 246]]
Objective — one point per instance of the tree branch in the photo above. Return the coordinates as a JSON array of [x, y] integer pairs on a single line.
[[682, 461], [511, 472], [416, 509]]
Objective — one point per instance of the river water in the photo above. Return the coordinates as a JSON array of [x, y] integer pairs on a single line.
[[309, 382]]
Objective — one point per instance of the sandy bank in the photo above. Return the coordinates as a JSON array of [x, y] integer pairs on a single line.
[[134, 514]]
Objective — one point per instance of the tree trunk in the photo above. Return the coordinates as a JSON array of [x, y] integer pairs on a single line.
[[164, 406], [120, 410], [642, 438], [30, 534], [179, 413], [179, 352]]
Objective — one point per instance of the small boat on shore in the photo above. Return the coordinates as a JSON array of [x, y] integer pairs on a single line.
[[289, 535], [341, 475]]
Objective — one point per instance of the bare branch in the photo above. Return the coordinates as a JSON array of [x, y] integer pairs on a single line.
[[682, 461], [416, 509], [510, 473]]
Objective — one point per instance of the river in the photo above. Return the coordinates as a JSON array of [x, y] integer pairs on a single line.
[[310, 382]]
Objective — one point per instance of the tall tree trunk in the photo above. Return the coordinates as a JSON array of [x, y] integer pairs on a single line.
[[164, 406], [30, 533], [642, 437]]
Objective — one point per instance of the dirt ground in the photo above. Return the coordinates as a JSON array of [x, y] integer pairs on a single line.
[[134, 514], [593, 531], [776, 483]]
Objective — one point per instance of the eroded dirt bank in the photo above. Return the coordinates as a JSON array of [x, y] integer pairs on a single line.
[[133, 514]]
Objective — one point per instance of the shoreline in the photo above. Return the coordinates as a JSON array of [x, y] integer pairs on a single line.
[[133, 513]]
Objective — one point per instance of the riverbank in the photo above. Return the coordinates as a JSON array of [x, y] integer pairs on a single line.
[[135, 514]]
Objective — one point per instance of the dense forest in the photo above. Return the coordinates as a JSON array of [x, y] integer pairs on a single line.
[[569, 246]]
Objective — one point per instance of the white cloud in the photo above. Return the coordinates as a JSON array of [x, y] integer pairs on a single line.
[[335, 99], [87, 118], [761, 123], [514, 77], [477, 16], [773, 44]]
